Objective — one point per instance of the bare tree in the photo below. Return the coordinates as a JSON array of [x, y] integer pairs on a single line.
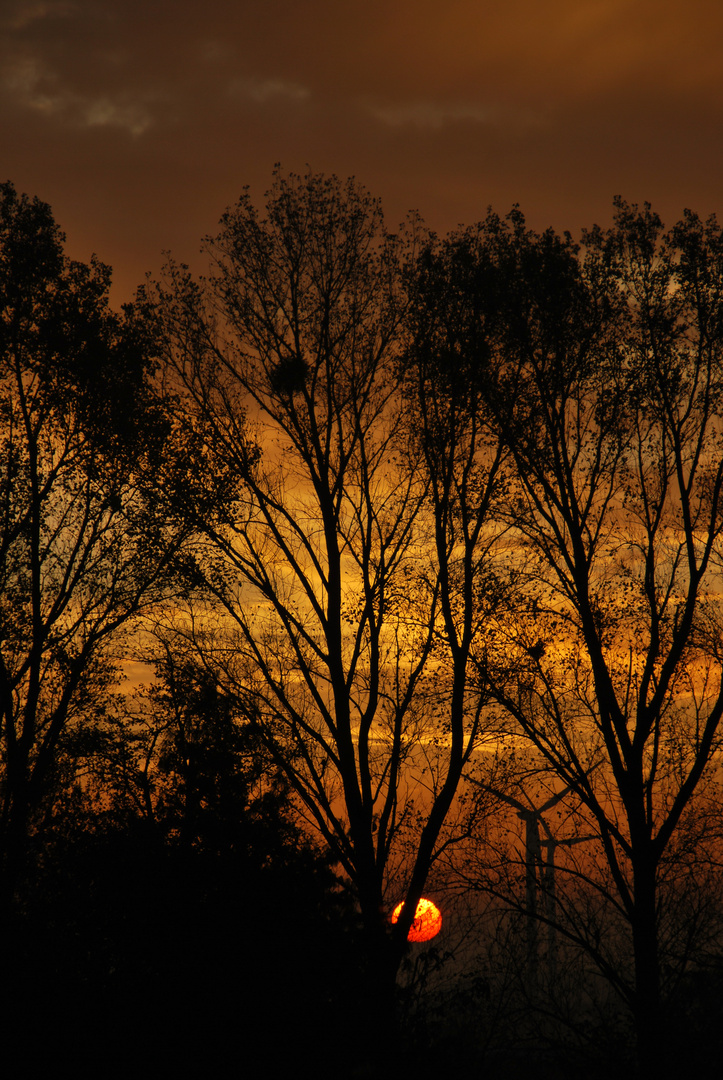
[[288, 359], [456, 444], [607, 392]]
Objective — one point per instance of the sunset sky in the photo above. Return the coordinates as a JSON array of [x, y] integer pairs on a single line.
[[139, 121]]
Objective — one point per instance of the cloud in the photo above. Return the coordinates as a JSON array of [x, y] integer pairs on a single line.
[[26, 13], [266, 89], [39, 89], [103, 112], [434, 115]]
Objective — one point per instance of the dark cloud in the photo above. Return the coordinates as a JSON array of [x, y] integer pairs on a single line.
[[139, 121]]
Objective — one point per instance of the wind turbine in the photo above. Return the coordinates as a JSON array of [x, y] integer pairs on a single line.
[[539, 876]]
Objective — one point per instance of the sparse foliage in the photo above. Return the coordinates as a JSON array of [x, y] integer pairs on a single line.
[[84, 542], [438, 528], [607, 393], [289, 355]]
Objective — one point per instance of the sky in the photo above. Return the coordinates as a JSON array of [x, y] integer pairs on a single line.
[[140, 121]]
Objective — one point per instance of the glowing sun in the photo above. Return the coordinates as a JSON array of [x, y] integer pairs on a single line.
[[427, 920]]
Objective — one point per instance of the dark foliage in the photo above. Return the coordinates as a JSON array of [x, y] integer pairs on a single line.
[[205, 936]]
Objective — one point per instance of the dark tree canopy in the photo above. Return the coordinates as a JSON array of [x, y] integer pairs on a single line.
[[427, 533], [321, 585], [602, 372], [86, 541]]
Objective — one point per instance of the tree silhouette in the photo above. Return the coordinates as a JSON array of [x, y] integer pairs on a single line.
[[607, 393], [288, 359], [387, 497], [181, 877], [85, 543]]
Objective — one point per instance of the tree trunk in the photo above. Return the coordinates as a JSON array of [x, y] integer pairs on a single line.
[[379, 1027], [648, 1021], [14, 836]]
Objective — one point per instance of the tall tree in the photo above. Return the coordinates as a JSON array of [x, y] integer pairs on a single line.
[[456, 445], [608, 395], [288, 360], [83, 547]]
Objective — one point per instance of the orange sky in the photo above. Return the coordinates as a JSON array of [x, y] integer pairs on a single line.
[[141, 120]]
